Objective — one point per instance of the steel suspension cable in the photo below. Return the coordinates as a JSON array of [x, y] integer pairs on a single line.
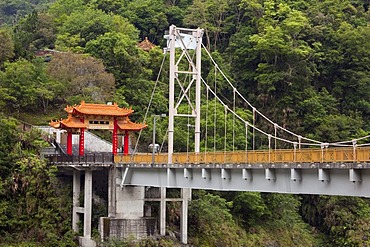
[[240, 118], [246, 101], [150, 101], [215, 115], [225, 133], [246, 142], [234, 121], [317, 143], [254, 124], [187, 55], [266, 118], [206, 137], [275, 128]]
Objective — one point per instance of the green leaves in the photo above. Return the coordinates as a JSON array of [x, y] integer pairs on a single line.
[[81, 77], [6, 46], [343, 219], [30, 208], [211, 221]]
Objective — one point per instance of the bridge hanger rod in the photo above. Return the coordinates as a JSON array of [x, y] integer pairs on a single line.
[[270, 121], [240, 118], [150, 101], [266, 118]]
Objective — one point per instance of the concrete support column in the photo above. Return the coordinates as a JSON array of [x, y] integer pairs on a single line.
[[186, 197], [88, 203], [76, 202], [112, 204], [162, 212]]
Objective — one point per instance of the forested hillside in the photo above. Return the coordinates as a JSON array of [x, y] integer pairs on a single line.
[[305, 64]]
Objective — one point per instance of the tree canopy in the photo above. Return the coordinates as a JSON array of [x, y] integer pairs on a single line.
[[304, 64]]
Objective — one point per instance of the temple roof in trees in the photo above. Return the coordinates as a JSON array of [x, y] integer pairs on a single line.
[[98, 109], [146, 45]]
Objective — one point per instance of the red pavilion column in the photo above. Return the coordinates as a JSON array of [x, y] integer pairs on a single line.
[[125, 143], [82, 140], [69, 142], [114, 137]]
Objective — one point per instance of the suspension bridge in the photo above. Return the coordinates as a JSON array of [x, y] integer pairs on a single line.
[[218, 156], [236, 157]]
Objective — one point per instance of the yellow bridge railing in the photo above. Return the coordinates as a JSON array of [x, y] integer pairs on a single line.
[[325, 155]]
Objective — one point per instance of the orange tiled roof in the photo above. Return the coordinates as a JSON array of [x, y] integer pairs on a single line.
[[128, 125], [146, 45], [98, 109], [70, 122]]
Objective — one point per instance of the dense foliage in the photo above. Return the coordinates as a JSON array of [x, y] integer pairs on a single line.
[[305, 64], [34, 205]]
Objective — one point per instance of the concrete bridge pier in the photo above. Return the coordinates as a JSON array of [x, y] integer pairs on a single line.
[[185, 198], [162, 212], [87, 203], [76, 210], [112, 191], [86, 210]]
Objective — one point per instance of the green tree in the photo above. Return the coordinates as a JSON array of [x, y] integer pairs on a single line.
[[210, 15], [34, 32], [27, 85], [120, 54], [211, 222], [83, 78], [344, 219], [40, 215], [148, 16], [6, 46]]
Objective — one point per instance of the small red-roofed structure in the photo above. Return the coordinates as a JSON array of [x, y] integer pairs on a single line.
[[98, 116], [146, 45]]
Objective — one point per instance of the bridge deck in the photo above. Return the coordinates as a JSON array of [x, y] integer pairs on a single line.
[[309, 171]]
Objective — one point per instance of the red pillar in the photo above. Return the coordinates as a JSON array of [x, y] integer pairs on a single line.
[[82, 140], [125, 143], [69, 142], [114, 137]]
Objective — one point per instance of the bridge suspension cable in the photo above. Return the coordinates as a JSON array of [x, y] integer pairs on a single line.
[[250, 105], [300, 140], [150, 101], [311, 142], [245, 121]]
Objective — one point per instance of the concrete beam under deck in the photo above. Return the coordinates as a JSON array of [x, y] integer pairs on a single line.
[[324, 179]]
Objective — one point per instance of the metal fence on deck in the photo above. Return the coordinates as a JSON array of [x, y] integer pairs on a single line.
[[258, 156]]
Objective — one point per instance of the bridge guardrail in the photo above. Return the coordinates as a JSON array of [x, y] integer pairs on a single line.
[[328, 155], [257, 156]]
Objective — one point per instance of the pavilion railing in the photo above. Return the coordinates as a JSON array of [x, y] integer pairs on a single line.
[[89, 158]]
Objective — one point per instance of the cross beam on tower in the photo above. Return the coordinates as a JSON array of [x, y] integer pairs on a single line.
[[185, 39]]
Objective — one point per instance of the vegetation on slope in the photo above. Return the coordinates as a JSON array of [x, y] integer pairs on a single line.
[[305, 64]]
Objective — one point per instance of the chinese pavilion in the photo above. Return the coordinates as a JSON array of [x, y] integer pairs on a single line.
[[146, 45], [97, 116]]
